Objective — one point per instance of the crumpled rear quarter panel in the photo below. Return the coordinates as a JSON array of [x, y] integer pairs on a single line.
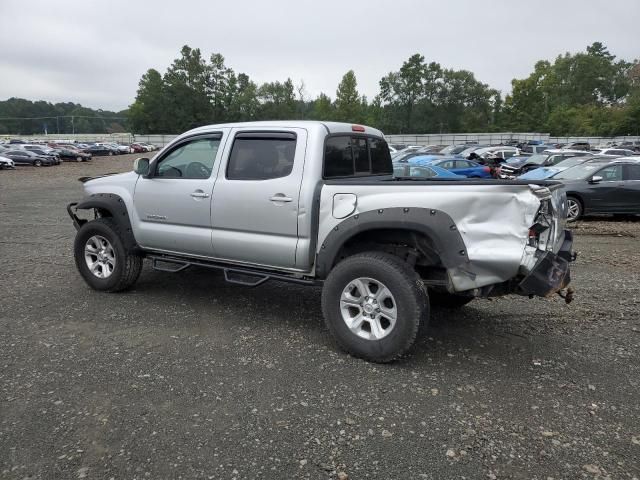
[[493, 221]]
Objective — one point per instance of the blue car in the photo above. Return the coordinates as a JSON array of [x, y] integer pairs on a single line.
[[459, 166], [423, 171]]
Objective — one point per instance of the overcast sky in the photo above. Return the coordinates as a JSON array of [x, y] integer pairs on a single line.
[[94, 52]]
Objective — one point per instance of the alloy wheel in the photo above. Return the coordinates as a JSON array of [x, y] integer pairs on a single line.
[[368, 308], [99, 256]]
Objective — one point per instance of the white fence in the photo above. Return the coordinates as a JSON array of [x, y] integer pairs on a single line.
[[406, 139], [496, 138], [461, 138]]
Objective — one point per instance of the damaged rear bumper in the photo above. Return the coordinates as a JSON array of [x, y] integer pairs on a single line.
[[551, 273]]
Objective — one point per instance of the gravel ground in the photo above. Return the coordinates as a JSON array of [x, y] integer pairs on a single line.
[[189, 377]]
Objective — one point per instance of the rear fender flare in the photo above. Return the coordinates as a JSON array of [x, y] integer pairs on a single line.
[[438, 226]]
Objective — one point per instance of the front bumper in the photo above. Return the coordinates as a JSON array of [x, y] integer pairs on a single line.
[[551, 274]]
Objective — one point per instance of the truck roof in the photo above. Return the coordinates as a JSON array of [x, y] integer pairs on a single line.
[[329, 127]]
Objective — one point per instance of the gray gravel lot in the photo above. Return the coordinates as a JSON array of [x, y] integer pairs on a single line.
[[189, 377]]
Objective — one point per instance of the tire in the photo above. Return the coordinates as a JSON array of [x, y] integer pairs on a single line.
[[574, 208], [403, 293], [37, 163], [110, 153], [78, 159], [448, 300], [125, 268]]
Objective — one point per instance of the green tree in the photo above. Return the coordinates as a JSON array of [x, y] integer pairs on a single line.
[[348, 107], [186, 83], [322, 108], [277, 100], [147, 113]]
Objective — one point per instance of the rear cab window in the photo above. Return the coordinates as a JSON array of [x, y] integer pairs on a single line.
[[356, 156]]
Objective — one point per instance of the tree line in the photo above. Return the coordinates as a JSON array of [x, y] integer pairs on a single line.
[[590, 93], [25, 117]]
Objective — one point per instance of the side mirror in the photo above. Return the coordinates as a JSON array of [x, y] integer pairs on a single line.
[[141, 166], [595, 179]]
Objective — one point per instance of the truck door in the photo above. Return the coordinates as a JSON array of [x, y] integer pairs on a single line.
[[173, 206], [254, 214]]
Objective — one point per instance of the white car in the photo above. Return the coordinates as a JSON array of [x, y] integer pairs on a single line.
[[6, 163], [614, 152], [499, 151]]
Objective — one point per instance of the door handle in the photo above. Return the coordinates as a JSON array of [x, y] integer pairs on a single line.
[[199, 194], [281, 197]]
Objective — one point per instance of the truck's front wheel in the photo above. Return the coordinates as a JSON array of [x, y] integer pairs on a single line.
[[102, 258], [373, 304]]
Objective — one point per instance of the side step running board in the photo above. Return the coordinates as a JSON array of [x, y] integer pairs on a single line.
[[238, 275]]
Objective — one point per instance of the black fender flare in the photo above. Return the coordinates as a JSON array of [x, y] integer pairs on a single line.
[[436, 225], [117, 209]]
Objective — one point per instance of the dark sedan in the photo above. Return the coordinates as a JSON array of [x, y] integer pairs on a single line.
[[69, 154], [99, 150], [602, 186], [48, 153], [25, 157]]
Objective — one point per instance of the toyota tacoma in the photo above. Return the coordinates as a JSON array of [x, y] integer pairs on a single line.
[[316, 203]]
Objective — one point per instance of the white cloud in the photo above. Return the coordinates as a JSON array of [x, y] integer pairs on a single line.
[[95, 54]]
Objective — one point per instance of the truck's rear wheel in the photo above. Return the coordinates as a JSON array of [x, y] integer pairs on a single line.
[[102, 259], [448, 300], [373, 304]]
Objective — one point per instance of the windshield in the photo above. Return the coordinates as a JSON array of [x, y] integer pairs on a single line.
[[537, 159], [578, 172], [570, 162]]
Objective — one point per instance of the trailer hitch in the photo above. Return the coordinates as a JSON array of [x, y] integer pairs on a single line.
[[567, 294]]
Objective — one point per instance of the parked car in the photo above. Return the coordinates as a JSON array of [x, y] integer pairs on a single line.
[[44, 152], [137, 148], [459, 166], [470, 149], [630, 145], [543, 173], [516, 166], [99, 150], [150, 146], [405, 157], [613, 152], [453, 149], [423, 171], [533, 149], [500, 152], [25, 157], [382, 248], [398, 146], [6, 163], [603, 186], [578, 146], [71, 154]]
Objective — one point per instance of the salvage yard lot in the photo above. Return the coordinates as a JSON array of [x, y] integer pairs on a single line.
[[189, 377]]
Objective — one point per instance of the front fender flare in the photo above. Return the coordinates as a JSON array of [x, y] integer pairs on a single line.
[[117, 209], [434, 224]]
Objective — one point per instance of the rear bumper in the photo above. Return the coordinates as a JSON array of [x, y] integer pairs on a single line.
[[552, 273]]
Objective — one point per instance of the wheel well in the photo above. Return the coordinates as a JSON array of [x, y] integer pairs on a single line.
[[411, 246], [577, 197]]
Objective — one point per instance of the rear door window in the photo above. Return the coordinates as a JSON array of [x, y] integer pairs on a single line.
[[633, 172], [261, 156]]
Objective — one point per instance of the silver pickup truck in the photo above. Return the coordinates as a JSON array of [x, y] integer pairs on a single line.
[[316, 203]]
